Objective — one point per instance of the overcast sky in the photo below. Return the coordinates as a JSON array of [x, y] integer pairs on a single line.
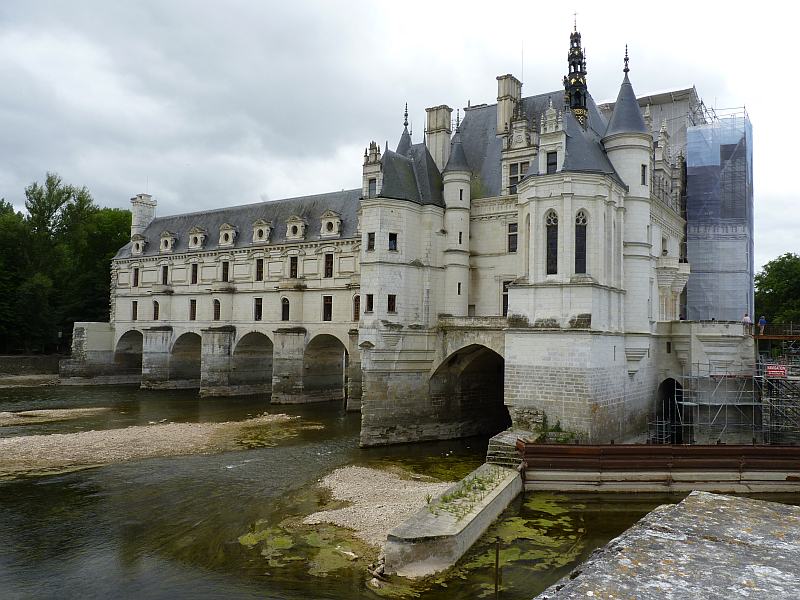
[[206, 104]]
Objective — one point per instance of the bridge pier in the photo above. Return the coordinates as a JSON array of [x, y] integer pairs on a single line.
[[155, 357], [287, 366], [215, 360], [354, 373]]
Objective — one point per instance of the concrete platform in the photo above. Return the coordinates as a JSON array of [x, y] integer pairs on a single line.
[[708, 546]]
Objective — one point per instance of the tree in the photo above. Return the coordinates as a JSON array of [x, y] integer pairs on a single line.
[[778, 290]]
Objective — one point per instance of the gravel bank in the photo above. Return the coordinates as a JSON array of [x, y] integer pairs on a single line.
[[17, 381], [50, 415], [379, 501], [38, 454]]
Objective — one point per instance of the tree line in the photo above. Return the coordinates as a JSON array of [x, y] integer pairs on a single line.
[[55, 264]]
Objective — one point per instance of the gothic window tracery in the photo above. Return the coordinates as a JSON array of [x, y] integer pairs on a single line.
[[551, 225], [580, 242]]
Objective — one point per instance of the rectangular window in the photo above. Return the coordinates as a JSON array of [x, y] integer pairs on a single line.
[[459, 237], [329, 265], [391, 303], [136, 277], [156, 310], [461, 194], [293, 267], [225, 270], [664, 246], [669, 347], [393, 241], [259, 269], [258, 309], [516, 173], [356, 308], [644, 174], [372, 188], [552, 162], [164, 274], [134, 310], [192, 310], [459, 288], [327, 308], [369, 307], [512, 237], [194, 272], [371, 241], [505, 297]]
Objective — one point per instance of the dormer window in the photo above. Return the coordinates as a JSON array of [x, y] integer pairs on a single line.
[[138, 244], [331, 224], [197, 237], [227, 235], [167, 242], [295, 228], [261, 231]]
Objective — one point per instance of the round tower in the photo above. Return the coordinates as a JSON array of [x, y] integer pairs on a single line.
[[143, 210], [456, 178]]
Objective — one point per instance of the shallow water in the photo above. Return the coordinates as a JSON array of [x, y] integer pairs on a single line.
[[170, 527]]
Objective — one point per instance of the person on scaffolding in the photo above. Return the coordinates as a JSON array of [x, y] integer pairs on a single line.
[[762, 322], [747, 322]]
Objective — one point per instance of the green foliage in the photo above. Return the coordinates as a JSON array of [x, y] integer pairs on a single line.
[[778, 290], [54, 264]]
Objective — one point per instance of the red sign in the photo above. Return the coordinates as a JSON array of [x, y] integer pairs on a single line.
[[776, 371]]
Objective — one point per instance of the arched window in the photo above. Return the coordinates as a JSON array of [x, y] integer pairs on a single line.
[[284, 309], [356, 307], [580, 242], [217, 310], [155, 310], [551, 223]]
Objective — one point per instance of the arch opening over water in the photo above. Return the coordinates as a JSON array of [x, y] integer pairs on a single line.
[[251, 364], [184, 360], [325, 369]]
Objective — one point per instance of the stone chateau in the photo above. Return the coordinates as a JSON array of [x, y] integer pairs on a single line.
[[524, 267]]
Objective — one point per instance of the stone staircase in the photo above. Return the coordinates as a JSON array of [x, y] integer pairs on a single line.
[[502, 449]]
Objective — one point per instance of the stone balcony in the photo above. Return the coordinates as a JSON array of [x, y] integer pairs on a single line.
[[488, 322], [672, 273], [223, 287], [161, 288]]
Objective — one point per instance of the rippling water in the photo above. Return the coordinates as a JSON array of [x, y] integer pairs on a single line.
[[169, 527]]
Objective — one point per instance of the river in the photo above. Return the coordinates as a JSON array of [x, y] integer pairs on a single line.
[[171, 527]]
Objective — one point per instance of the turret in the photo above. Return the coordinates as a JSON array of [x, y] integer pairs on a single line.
[[372, 180], [143, 210], [575, 89], [456, 178]]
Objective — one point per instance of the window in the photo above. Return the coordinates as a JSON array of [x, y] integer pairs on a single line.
[[459, 288], [516, 173], [284, 309], [461, 194], [134, 310], [580, 242], [644, 174], [293, 267], [551, 221], [371, 241], [136, 277], [512, 237], [391, 303], [459, 237], [505, 297], [669, 347], [156, 310], [327, 308], [372, 188], [259, 269], [217, 309], [664, 251], [194, 272], [225, 270], [369, 307], [192, 310], [356, 308], [164, 274], [258, 309], [552, 162], [329, 265], [393, 241]]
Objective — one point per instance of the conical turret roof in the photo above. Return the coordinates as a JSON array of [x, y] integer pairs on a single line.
[[626, 118], [457, 160]]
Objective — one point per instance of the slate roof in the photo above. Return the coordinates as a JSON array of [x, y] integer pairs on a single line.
[[457, 160], [412, 176], [626, 116], [482, 147], [310, 208]]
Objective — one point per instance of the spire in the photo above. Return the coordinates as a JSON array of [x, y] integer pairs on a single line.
[[575, 90], [457, 160], [627, 117], [404, 144]]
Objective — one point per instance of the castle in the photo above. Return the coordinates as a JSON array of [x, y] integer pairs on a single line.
[[525, 268]]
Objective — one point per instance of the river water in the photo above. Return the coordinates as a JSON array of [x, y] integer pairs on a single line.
[[171, 527]]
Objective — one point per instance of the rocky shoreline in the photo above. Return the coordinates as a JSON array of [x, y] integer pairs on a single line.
[[48, 415]]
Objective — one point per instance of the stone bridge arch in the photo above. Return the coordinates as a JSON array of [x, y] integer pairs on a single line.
[[128, 353], [185, 361], [456, 334], [251, 364]]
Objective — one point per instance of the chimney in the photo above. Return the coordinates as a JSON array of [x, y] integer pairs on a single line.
[[437, 134], [509, 93], [143, 209]]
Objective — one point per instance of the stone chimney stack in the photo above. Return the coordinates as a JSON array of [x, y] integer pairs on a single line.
[[143, 210], [437, 134], [509, 94]]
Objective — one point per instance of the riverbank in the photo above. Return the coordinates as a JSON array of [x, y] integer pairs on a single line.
[[31, 380], [44, 454], [51, 415], [377, 501]]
